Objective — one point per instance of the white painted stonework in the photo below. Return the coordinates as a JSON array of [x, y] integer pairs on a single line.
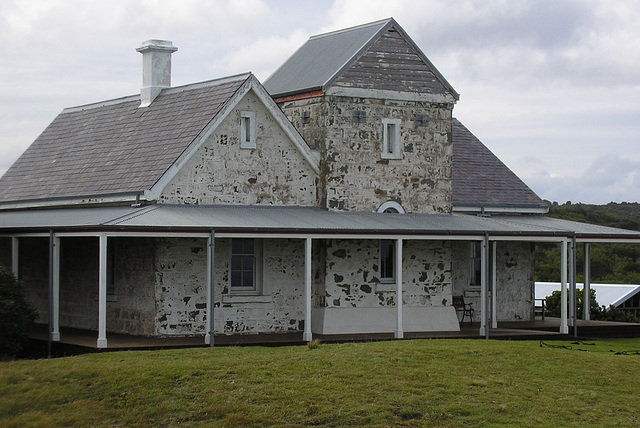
[[221, 172]]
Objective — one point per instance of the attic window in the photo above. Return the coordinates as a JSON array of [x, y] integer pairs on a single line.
[[247, 130], [391, 207], [391, 139], [359, 116], [306, 117], [422, 120]]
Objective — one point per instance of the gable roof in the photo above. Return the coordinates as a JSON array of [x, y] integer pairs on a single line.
[[115, 150], [325, 57], [481, 180]]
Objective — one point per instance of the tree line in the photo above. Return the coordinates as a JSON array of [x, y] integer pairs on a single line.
[[610, 263]]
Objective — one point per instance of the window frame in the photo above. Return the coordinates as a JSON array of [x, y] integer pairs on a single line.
[[390, 257], [247, 123], [391, 147], [475, 264], [256, 269]]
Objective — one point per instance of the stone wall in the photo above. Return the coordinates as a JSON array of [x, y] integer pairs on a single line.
[[131, 307], [181, 287], [79, 282], [354, 177], [33, 271], [274, 173], [353, 274], [279, 306], [515, 280]]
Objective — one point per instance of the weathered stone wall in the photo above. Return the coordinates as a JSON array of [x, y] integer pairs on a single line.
[[275, 173], [279, 307], [33, 271], [181, 286], [132, 307], [515, 280], [353, 277], [354, 177], [79, 282], [5, 253]]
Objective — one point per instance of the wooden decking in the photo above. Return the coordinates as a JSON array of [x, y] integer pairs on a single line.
[[75, 341]]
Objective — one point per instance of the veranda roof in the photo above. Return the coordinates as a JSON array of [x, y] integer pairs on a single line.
[[297, 220]]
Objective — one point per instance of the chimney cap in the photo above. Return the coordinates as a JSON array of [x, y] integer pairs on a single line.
[[155, 44]]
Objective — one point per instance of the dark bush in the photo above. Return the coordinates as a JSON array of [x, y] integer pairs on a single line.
[[16, 314]]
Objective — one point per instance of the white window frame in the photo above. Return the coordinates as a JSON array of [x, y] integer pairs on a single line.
[[391, 147], [247, 125], [392, 259], [391, 207], [256, 288]]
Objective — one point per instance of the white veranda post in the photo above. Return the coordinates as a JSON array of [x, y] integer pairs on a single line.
[[564, 327], [399, 334], [102, 293], [307, 290]]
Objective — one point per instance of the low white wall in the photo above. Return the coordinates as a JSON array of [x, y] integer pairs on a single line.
[[383, 320]]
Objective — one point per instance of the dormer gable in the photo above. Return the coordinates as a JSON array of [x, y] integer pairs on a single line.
[[378, 56]]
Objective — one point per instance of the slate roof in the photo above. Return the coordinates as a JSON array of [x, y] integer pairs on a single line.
[[324, 57], [115, 147], [480, 179]]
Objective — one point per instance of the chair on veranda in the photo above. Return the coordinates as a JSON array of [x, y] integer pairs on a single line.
[[465, 308]]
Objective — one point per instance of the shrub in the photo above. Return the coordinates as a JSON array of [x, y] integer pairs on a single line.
[[597, 312], [16, 314]]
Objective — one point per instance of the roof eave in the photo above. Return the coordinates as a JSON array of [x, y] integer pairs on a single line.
[[74, 201]]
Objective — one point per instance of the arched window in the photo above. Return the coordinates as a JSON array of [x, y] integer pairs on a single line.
[[391, 207]]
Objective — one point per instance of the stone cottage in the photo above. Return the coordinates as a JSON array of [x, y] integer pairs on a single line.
[[341, 197]]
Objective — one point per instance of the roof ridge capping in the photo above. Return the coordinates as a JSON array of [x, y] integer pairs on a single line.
[[355, 27], [167, 91]]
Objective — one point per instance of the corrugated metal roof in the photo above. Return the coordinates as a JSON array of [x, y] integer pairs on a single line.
[[294, 220], [320, 58], [480, 179], [115, 147]]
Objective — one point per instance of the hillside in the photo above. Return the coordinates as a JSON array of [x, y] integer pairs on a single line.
[[610, 263]]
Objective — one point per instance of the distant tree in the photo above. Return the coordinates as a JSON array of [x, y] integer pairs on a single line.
[[553, 304], [597, 312], [16, 314], [610, 263]]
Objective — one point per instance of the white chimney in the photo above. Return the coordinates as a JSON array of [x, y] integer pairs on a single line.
[[156, 69]]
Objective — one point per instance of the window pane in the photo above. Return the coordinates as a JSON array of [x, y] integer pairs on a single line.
[[247, 263], [236, 262], [387, 255], [248, 246], [247, 279], [236, 246], [236, 278]]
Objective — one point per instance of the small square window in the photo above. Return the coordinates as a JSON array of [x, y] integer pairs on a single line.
[[306, 117], [359, 116], [422, 120], [391, 139], [247, 130]]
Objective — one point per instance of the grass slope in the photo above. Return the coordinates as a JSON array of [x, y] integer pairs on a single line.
[[398, 383]]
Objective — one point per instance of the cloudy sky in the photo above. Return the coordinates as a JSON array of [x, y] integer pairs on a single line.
[[551, 87]]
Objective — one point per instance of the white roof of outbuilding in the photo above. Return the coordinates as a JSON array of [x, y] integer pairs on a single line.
[[606, 294]]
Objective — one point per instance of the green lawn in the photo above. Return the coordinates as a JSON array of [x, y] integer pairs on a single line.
[[398, 383]]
